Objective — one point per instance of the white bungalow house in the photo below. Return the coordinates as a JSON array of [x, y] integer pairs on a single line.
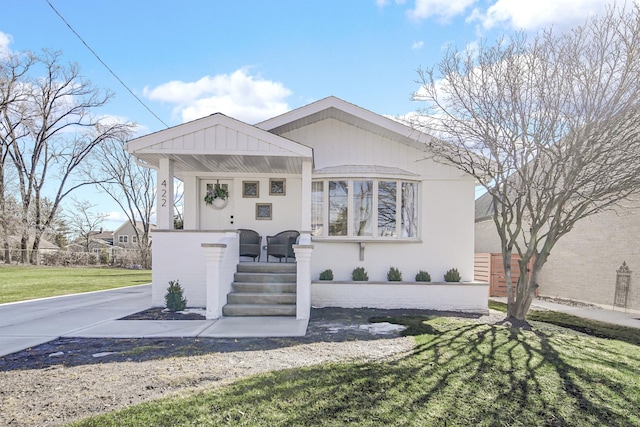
[[357, 187]]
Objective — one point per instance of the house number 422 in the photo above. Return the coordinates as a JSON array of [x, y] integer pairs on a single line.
[[163, 194]]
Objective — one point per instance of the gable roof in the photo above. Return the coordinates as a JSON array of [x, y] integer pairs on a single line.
[[218, 143], [484, 207], [139, 226], [336, 108]]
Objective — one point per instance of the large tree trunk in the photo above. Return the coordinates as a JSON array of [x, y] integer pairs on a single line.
[[35, 249], [24, 246]]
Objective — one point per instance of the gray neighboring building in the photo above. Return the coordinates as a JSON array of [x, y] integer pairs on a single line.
[[583, 264]]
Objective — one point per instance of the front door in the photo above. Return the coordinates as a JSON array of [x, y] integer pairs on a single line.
[[212, 217]]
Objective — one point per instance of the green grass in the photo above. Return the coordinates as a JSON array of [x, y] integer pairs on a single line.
[[19, 283], [590, 327], [460, 374]]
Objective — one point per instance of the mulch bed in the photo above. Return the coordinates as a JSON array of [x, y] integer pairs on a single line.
[[159, 313], [325, 325]]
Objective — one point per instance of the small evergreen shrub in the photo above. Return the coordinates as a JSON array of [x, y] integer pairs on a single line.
[[359, 275], [394, 275], [423, 276], [452, 275], [174, 298], [326, 275]]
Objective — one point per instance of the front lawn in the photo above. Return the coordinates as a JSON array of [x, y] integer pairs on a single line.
[[461, 373], [19, 283]]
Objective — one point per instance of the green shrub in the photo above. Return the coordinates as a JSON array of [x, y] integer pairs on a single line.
[[359, 275], [394, 275], [423, 276], [174, 298], [326, 275], [104, 256], [452, 275]]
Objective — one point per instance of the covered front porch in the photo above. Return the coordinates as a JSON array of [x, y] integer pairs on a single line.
[[267, 181]]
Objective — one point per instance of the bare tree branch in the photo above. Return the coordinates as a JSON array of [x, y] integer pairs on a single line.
[[548, 125], [49, 134]]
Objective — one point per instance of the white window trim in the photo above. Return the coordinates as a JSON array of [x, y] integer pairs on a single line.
[[350, 226]]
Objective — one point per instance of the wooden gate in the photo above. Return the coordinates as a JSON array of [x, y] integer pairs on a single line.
[[488, 267]]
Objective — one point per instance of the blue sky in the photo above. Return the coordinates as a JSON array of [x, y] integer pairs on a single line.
[[255, 59]]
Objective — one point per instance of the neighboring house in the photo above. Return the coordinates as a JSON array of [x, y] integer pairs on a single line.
[[98, 241], [583, 264], [44, 247], [125, 235], [357, 187], [96, 246], [105, 236]]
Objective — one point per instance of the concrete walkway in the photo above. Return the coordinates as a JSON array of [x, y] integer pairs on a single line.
[[29, 323], [603, 314], [94, 315]]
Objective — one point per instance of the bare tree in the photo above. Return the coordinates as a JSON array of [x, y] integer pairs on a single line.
[[13, 68], [54, 132], [131, 186], [548, 125], [83, 223]]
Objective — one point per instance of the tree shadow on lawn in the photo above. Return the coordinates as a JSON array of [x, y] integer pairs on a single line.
[[460, 373], [325, 325]]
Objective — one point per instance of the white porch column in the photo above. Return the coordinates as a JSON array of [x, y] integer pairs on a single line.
[[213, 255], [305, 223], [303, 266], [191, 203], [164, 202]]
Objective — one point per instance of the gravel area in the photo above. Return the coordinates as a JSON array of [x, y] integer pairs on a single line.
[[68, 379]]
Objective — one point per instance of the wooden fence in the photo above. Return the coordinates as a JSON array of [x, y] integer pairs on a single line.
[[488, 267]]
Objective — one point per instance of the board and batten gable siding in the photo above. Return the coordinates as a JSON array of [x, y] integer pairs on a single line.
[[337, 143], [219, 139]]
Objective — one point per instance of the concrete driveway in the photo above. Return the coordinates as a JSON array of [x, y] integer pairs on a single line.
[[29, 323]]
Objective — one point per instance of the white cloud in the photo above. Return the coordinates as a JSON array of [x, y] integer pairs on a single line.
[[535, 14], [5, 41], [517, 14], [417, 45], [443, 9], [239, 95]]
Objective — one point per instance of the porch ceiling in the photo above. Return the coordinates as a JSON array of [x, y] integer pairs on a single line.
[[197, 163]]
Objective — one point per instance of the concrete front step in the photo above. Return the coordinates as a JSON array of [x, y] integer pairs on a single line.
[[265, 277], [266, 267], [262, 289], [265, 288], [259, 310], [245, 298]]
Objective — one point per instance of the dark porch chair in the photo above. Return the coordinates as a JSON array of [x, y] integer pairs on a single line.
[[281, 245], [250, 243]]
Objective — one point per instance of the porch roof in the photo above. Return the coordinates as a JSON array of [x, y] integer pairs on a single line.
[[364, 171], [221, 144]]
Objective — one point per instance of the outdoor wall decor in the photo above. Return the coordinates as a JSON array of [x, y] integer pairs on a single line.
[[250, 189], [217, 195], [263, 211], [277, 187]]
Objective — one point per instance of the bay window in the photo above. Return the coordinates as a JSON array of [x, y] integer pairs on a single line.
[[365, 209]]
